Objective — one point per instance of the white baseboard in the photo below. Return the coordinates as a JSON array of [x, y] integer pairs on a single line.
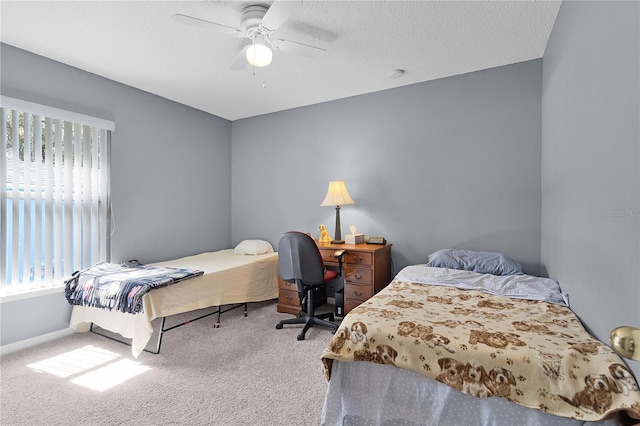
[[34, 341]]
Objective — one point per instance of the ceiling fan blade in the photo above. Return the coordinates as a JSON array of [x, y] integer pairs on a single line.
[[278, 13], [298, 48], [201, 23], [240, 61]]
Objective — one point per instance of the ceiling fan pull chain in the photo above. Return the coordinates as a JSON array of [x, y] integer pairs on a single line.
[[253, 43]]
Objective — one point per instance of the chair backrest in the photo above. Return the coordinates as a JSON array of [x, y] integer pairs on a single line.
[[299, 259]]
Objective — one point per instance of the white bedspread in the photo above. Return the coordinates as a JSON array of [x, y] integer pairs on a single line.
[[228, 278]]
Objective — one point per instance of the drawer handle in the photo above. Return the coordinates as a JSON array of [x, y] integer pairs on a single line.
[[288, 284], [358, 276], [289, 298], [357, 293], [357, 259]]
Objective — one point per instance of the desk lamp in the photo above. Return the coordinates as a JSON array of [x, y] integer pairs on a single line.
[[337, 195]]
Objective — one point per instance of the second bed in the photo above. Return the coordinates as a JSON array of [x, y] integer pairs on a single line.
[[228, 278]]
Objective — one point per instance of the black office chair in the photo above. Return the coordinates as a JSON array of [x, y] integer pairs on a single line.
[[299, 261]]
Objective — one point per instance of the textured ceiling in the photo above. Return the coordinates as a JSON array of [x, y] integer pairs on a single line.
[[138, 44]]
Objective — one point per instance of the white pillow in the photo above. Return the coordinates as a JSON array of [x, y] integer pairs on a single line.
[[253, 247]]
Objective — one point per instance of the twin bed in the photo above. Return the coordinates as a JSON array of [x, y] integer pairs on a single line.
[[465, 339], [469, 339], [248, 273]]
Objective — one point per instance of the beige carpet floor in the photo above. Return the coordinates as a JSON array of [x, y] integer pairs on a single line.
[[244, 373]]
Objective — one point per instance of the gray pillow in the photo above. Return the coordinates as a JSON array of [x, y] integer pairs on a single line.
[[483, 262]]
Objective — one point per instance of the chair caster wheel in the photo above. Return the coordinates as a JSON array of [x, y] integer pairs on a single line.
[[300, 336], [278, 326]]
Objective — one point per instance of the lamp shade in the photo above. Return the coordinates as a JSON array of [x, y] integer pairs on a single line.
[[259, 54], [337, 194]]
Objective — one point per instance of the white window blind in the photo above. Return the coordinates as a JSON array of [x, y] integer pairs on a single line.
[[54, 206]]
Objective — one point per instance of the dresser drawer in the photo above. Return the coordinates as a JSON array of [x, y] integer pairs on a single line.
[[289, 297], [358, 275], [285, 285], [358, 258], [349, 304], [358, 292], [288, 301], [327, 256]]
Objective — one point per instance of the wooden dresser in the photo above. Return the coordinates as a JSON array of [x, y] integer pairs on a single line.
[[366, 271]]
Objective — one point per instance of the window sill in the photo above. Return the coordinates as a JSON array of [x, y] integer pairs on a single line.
[[29, 294]]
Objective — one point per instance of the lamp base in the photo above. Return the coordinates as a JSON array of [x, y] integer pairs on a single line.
[[337, 241]]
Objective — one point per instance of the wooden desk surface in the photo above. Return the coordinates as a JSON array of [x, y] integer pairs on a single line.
[[353, 247]]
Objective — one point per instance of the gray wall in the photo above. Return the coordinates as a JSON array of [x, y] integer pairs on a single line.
[[447, 163], [170, 172], [591, 162]]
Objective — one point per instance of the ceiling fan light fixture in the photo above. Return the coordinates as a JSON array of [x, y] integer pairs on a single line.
[[259, 55]]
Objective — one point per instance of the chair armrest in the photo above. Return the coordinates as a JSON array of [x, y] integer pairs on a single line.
[[339, 254]]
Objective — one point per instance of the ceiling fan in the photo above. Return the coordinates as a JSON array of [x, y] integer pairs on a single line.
[[258, 24]]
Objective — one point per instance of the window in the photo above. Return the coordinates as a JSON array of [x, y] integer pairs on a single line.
[[54, 206]]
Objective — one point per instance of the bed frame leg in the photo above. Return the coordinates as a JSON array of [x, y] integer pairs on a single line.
[[160, 333], [217, 323], [158, 342], [219, 312]]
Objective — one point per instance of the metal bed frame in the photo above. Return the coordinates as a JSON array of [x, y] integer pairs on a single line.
[[218, 311]]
